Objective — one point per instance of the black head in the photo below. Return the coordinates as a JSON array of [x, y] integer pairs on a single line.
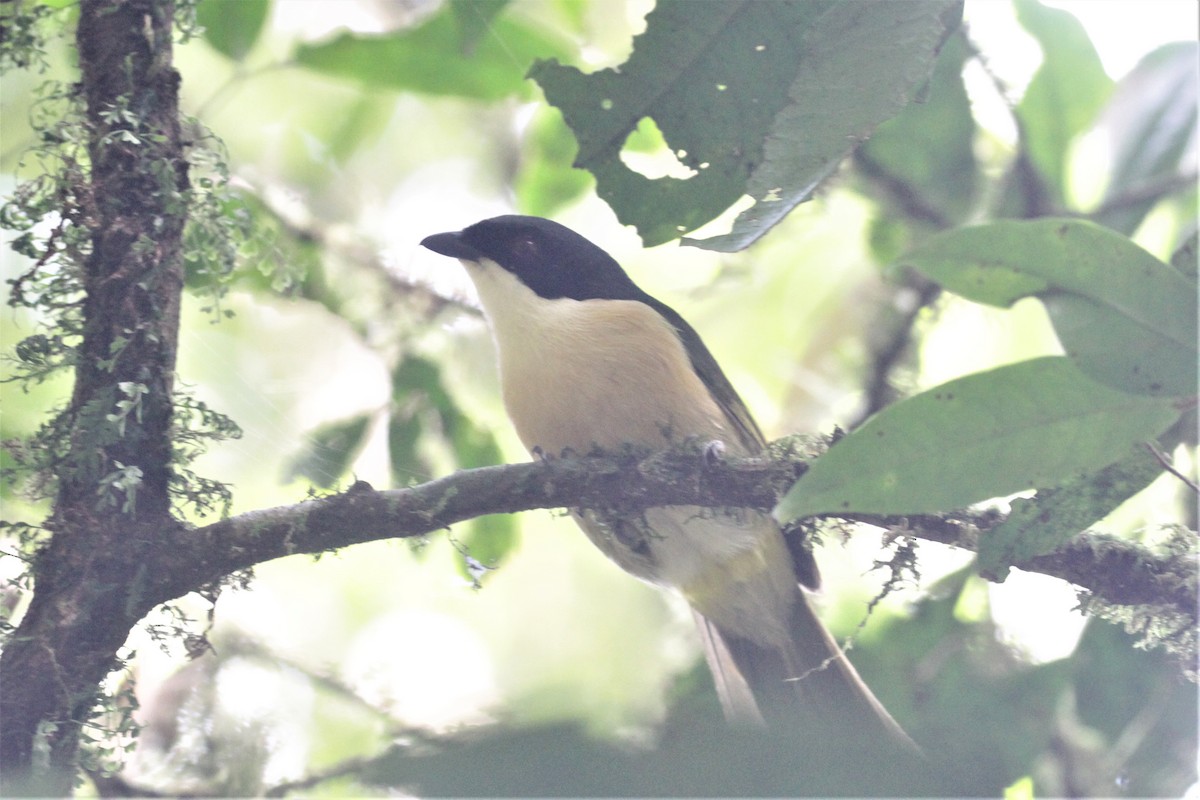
[[549, 258], [555, 262]]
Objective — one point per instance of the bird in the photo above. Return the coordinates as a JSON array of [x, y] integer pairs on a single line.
[[588, 360]]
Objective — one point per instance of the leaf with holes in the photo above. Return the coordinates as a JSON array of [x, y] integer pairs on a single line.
[[759, 99]]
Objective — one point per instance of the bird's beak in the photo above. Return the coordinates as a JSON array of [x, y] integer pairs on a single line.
[[451, 244]]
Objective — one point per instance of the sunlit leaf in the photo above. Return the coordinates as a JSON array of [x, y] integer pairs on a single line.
[[1151, 128], [1066, 92], [428, 58], [1028, 425], [1123, 316], [329, 451], [782, 97], [1043, 523], [232, 26]]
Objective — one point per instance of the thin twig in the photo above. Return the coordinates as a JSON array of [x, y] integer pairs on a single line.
[[1169, 467]]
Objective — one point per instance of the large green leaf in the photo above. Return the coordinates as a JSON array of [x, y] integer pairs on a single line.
[[1029, 425], [1065, 94], [1043, 523], [760, 99], [1151, 127], [1126, 318], [232, 26], [429, 58]]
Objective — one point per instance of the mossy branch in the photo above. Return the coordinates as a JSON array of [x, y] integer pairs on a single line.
[[1114, 571]]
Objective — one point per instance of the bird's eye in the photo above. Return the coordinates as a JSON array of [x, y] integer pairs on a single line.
[[524, 247]]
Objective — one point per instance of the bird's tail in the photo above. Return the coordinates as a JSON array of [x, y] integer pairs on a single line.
[[806, 681]]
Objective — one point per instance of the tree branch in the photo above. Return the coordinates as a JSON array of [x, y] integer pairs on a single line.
[[628, 483], [1114, 570]]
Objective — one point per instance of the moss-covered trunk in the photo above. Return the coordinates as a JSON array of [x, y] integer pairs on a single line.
[[114, 471]]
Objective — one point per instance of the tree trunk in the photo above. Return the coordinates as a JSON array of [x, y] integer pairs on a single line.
[[113, 476]]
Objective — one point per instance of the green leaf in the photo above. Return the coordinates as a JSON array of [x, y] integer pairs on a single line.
[[474, 18], [924, 159], [232, 26], [758, 98], [416, 390], [427, 58], [1065, 94], [1151, 126], [1118, 351], [1030, 425], [329, 451], [1123, 316], [1041, 524]]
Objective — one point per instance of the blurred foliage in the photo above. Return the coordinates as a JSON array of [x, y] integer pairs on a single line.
[[1151, 124], [446, 54], [232, 28], [923, 160], [1064, 96], [347, 137]]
